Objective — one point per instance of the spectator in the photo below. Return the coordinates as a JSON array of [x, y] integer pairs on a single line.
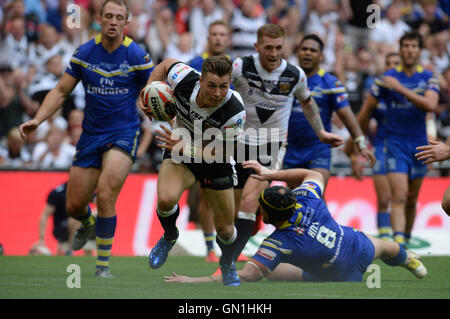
[[390, 29], [182, 49], [181, 18], [353, 79], [288, 16], [134, 32], [36, 8], [162, 33], [202, 14], [429, 12], [323, 21], [13, 42], [48, 45], [47, 80], [439, 52], [13, 154], [355, 13], [244, 25], [54, 152], [56, 15], [141, 18], [15, 104]]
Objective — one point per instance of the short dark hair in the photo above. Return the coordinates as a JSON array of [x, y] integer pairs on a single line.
[[220, 65], [313, 37], [118, 2], [413, 35]]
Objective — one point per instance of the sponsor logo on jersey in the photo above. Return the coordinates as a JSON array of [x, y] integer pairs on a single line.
[[284, 87], [267, 253]]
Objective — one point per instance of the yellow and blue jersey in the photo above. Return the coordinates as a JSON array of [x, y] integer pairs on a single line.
[[405, 120], [330, 95], [315, 242], [112, 82], [197, 61]]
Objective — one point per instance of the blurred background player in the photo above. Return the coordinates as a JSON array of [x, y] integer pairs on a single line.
[[113, 69], [308, 238], [207, 97], [409, 92], [268, 84], [377, 134], [64, 227], [304, 150]]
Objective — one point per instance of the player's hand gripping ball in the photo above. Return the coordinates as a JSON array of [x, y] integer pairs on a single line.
[[161, 100]]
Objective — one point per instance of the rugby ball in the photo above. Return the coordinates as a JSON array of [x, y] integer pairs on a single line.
[[159, 97]]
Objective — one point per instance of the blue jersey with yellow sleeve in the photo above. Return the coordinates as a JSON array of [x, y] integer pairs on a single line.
[[112, 82], [405, 120], [330, 95], [315, 242]]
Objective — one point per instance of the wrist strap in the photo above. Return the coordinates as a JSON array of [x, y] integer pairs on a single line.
[[361, 142]]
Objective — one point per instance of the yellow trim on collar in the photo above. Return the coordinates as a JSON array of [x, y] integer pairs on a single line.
[[126, 41]]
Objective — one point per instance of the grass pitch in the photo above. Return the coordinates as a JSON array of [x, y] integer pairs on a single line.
[[41, 277]]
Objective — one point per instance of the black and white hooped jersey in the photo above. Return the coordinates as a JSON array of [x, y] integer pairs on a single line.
[[268, 97], [229, 117]]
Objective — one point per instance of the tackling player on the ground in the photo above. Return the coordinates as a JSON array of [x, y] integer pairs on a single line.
[[112, 69], [307, 237], [205, 103], [268, 85]]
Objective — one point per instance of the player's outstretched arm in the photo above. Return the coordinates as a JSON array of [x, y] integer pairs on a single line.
[[252, 271], [294, 176], [52, 102], [312, 114]]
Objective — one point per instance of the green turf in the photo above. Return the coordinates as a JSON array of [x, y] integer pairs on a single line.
[[33, 277]]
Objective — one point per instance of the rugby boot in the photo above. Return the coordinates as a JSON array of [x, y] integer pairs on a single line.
[[159, 253], [103, 272], [415, 266], [230, 276], [82, 236]]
